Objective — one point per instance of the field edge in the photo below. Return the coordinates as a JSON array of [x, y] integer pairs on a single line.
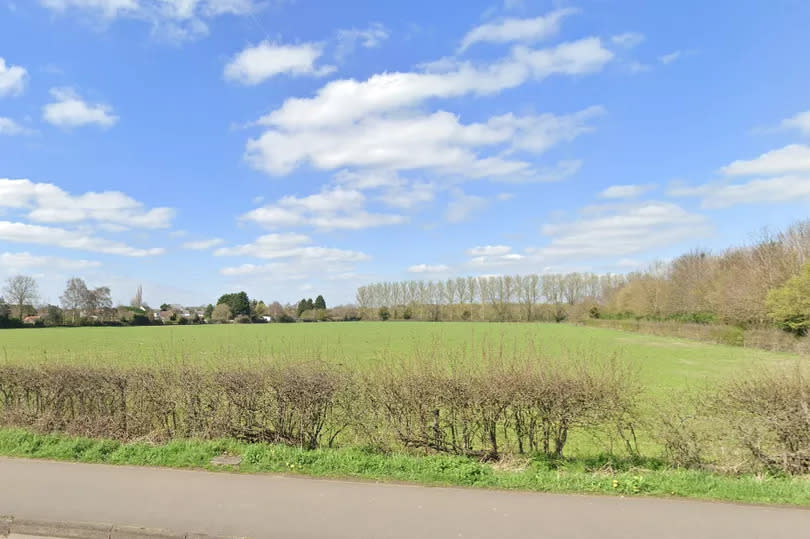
[[601, 476]]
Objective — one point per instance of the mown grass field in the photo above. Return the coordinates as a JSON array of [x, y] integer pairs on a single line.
[[663, 363]]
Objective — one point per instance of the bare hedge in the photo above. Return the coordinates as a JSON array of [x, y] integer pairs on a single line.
[[481, 411]]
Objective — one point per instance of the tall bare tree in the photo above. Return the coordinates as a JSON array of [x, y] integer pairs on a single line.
[[21, 290], [74, 297]]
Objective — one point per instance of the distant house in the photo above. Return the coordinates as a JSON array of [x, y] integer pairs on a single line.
[[267, 318], [164, 316], [32, 320]]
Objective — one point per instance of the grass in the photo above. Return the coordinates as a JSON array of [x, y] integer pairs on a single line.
[[596, 475], [664, 363], [666, 366]]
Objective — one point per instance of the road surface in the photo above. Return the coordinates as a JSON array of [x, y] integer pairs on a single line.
[[274, 506]]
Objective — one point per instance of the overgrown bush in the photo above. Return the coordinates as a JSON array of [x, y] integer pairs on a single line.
[[769, 415], [532, 405]]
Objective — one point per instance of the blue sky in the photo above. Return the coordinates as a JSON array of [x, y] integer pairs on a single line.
[[290, 148]]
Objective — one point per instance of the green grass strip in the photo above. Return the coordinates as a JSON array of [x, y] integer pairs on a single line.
[[601, 475]]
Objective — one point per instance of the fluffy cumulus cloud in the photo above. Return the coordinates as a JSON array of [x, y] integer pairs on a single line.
[[344, 101], [12, 79], [333, 208], [48, 203], [781, 175], [255, 64], [517, 30], [68, 239], [70, 110], [794, 158], [372, 132], [171, 20], [413, 141]]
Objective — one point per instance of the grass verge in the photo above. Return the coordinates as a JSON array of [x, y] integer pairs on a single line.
[[600, 475]]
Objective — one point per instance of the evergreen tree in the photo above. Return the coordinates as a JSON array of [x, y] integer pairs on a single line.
[[239, 303], [302, 306], [320, 303]]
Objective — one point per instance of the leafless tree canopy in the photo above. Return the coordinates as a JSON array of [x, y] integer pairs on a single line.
[[21, 291]]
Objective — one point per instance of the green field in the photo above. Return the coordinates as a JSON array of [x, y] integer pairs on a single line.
[[593, 463], [663, 363]]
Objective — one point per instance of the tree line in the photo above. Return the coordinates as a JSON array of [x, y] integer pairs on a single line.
[[764, 283], [81, 305]]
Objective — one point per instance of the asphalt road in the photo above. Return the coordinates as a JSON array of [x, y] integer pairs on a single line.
[[275, 506]]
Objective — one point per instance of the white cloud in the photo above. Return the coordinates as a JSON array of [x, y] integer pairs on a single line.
[[335, 208], [622, 231], [47, 203], [794, 158], [12, 79], [781, 175], [256, 64], [369, 179], [669, 58], [295, 257], [626, 191], [68, 239], [347, 100], [463, 206], [411, 141], [426, 268], [202, 245], [631, 229], [70, 110], [106, 8], [520, 30], [409, 196], [493, 256], [10, 127], [272, 246], [800, 121], [19, 262], [627, 40], [369, 38], [268, 246], [489, 250], [171, 20], [791, 188]]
